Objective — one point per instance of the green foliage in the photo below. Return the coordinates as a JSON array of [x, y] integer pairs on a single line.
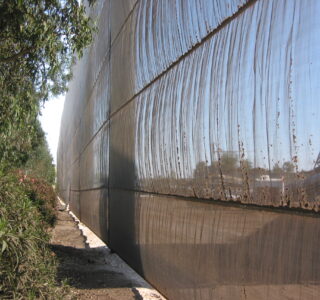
[[27, 266], [17, 133], [39, 162], [38, 39]]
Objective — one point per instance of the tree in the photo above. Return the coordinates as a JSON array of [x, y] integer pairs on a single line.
[[288, 167], [277, 170], [228, 162], [39, 37], [247, 164], [38, 41], [39, 162], [201, 170]]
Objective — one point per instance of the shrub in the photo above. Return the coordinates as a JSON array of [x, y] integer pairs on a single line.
[[27, 266], [42, 195]]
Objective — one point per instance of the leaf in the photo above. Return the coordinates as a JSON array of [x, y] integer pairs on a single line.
[[4, 246]]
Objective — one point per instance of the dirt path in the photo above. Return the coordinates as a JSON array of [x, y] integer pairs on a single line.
[[94, 273]]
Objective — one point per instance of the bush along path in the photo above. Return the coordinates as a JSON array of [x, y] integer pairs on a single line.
[[28, 267], [92, 271]]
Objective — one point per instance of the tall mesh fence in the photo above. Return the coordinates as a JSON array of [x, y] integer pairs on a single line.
[[189, 143]]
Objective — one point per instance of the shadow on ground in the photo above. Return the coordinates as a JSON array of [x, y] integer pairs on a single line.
[[86, 269], [92, 273]]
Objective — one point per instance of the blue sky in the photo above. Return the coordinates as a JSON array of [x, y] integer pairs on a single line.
[[50, 120]]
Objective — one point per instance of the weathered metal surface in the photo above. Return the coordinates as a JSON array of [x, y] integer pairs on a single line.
[[192, 104], [192, 250]]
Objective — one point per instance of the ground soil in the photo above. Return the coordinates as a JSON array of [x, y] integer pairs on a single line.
[[94, 273]]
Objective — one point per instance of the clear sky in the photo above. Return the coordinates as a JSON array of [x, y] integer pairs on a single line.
[[50, 120]]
